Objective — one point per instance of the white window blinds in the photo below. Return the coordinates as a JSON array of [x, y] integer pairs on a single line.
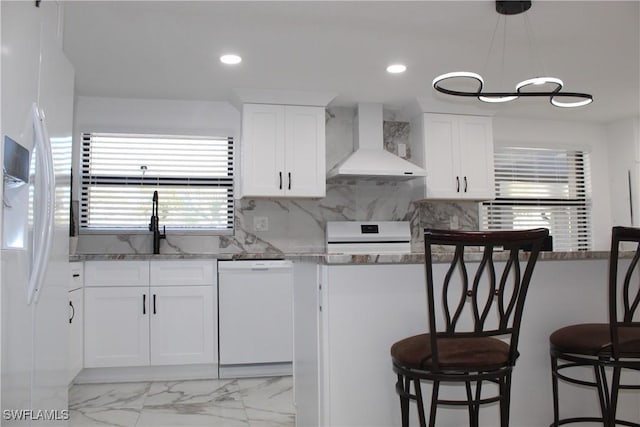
[[548, 188], [120, 172]]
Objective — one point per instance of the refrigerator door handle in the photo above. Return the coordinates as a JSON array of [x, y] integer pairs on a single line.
[[44, 215]]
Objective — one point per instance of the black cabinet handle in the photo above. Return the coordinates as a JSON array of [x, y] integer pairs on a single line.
[[280, 175], [289, 180], [154, 303], [144, 303], [76, 274], [465, 184], [457, 184], [73, 312]]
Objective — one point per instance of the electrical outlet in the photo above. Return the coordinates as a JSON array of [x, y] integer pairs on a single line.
[[261, 223]]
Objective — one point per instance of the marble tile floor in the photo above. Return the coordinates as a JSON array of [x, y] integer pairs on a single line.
[[248, 402]]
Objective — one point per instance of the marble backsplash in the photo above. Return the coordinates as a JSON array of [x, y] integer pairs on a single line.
[[298, 225]]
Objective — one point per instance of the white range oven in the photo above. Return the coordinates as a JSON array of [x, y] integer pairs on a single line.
[[368, 237]]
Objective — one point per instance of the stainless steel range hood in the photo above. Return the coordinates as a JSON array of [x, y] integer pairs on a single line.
[[370, 161]]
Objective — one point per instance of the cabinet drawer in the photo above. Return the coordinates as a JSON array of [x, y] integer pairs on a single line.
[[77, 275], [116, 273], [177, 273]]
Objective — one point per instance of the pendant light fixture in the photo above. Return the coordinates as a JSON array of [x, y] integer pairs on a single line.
[[550, 87]]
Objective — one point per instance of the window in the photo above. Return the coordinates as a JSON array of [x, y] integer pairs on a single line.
[[542, 188], [120, 172]]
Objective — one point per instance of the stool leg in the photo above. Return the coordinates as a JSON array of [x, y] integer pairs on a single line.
[[505, 400], [416, 385], [603, 394], [473, 407], [554, 384], [403, 391], [615, 388], [434, 404]]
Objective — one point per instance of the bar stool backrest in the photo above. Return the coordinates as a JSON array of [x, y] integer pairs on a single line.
[[488, 301], [624, 291]]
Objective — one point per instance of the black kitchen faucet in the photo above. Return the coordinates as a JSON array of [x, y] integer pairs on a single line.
[[155, 226]]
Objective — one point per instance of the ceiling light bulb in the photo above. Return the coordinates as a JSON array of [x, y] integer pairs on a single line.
[[396, 68], [497, 99], [458, 74], [230, 59], [583, 102], [537, 81]]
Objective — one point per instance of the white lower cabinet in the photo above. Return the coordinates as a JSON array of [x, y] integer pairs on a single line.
[[152, 325], [182, 325], [116, 326]]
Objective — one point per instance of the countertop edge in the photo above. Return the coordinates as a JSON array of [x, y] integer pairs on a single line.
[[334, 259]]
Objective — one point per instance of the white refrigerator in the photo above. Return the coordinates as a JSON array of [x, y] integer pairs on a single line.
[[36, 121]]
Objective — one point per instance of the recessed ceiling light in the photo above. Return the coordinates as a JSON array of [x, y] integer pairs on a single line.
[[396, 68], [230, 59]]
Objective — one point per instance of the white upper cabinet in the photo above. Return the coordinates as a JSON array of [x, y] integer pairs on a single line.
[[283, 151], [458, 155]]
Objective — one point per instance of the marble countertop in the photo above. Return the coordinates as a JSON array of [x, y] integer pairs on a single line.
[[330, 259]]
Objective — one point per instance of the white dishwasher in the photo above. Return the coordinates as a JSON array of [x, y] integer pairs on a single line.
[[255, 324]]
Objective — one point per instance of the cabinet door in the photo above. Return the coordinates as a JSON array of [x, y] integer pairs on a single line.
[[183, 326], [476, 158], [458, 157], [263, 134], [76, 320], [305, 152], [116, 326], [441, 156]]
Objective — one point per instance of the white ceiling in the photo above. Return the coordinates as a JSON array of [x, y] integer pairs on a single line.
[[170, 50]]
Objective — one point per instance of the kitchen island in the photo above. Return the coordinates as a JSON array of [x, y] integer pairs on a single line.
[[349, 309]]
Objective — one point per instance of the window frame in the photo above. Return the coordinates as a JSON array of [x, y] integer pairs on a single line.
[[158, 183], [580, 175]]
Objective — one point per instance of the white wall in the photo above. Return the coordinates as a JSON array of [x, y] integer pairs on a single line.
[[623, 143], [565, 134], [156, 115], [95, 114]]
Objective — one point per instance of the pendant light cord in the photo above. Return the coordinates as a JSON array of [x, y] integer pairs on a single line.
[[493, 38], [533, 46]]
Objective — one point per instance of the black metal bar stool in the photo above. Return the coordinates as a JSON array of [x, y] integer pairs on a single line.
[[606, 347], [476, 340]]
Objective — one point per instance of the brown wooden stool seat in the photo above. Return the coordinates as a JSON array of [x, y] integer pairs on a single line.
[[475, 339], [455, 353], [593, 339], [612, 346]]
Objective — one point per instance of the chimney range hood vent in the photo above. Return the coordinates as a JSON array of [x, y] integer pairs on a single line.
[[370, 161]]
